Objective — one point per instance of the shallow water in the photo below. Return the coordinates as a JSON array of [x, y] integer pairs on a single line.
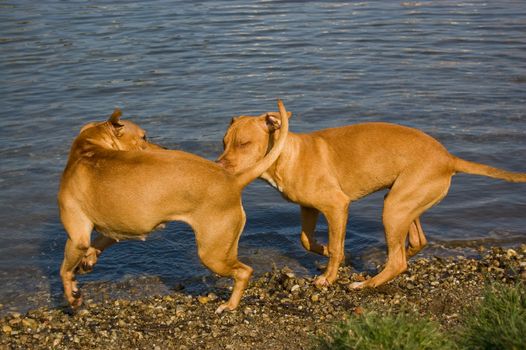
[[456, 70]]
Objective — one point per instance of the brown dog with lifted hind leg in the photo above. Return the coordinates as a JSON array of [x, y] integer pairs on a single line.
[[123, 186], [326, 170]]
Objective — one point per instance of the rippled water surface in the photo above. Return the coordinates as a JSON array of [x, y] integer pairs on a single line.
[[182, 69]]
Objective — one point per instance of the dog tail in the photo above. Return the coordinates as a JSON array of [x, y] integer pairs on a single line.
[[464, 166], [247, 176]]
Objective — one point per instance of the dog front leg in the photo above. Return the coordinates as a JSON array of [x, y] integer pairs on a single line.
[[309, 217], [337, 219]]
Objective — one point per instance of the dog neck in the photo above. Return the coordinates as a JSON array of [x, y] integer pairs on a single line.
[[275, 174]]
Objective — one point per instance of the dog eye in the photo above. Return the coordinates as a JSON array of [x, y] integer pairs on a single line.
[[244, 144]]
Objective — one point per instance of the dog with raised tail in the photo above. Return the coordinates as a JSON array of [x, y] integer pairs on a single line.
[[124, 187], [326, 170]]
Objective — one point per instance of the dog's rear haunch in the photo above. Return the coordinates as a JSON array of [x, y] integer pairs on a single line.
[[124, 187]]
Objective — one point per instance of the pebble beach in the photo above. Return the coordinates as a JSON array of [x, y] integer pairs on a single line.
[[278, 311]]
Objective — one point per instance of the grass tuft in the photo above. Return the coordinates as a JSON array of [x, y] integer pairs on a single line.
[[498, 322], [403, 330]]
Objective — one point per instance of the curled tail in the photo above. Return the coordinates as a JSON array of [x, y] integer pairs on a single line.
[[464, 166], [247, 176]]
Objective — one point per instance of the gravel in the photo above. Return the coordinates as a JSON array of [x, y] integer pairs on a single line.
[[278, 311]]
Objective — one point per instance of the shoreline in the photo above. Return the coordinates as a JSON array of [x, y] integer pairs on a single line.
[[279, 310]]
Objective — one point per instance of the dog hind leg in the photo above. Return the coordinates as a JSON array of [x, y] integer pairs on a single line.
[[417, 239], [217, 248], [309, 216], [78, 228], [406, 201]]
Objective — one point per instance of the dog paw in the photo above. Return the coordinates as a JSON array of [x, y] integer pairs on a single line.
[[76, 294], [84, 268], [75, 300], [87, 263], [321, 281], [357, 285], [223, 307]]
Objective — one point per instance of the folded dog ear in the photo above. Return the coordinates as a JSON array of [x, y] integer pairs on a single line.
[[273, 120], [273, 123]]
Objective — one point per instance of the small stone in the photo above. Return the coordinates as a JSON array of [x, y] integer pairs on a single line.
[[359, 278], [212, 296], [286, 271], [83, 312], [315, 298], [7, 329], [203, 299], [295, 288], [511, 253], [14, 321], [29, 323], [179, 310]]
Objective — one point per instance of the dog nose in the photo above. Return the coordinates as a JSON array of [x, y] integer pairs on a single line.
[[223, 162]]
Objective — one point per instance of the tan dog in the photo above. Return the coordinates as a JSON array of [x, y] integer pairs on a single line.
[[119, 184], [326, 170]]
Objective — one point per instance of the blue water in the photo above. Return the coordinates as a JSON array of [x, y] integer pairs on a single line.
[[181, 69]]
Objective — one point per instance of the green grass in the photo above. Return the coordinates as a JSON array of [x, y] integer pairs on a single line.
[[498, 322], [404, 331]]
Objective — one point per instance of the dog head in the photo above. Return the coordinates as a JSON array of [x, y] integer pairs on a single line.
[[248, 139], [117, 134]]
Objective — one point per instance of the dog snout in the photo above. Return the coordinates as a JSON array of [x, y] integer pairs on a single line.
[[222, 161], [225, 163]]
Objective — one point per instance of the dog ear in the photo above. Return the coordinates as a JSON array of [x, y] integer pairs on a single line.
[[233, 120], [273, 123], [115, 121], [115, 118]]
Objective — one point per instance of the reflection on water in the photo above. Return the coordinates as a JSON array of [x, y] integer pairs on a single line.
[[182, 70]]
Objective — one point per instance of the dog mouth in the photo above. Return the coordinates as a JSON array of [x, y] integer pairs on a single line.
[[224, 163]]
